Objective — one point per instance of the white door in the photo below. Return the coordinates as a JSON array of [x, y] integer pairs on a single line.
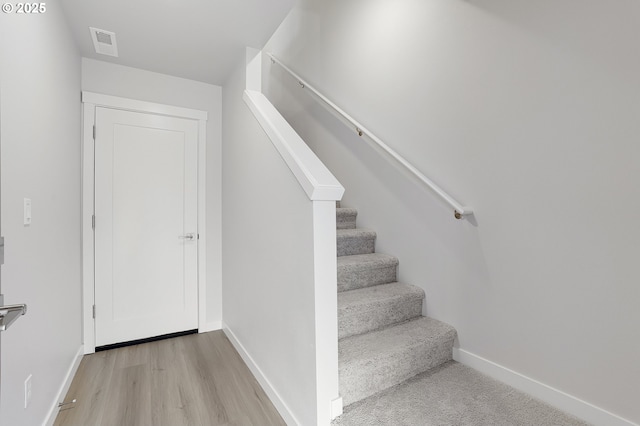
[[145, 225]]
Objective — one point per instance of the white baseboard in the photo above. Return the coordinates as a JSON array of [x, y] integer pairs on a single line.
[[64, 387], [210, 326], [282, 408], [557, 398], [337, 406]]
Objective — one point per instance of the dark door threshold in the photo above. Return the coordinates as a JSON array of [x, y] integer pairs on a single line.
[[146, 340]]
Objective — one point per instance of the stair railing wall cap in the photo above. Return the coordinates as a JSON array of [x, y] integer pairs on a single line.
[[459, 211]]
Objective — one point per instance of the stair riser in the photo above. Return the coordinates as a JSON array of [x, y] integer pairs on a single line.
[[345, 223], [346, 218], [348, 246], [362, 379], [349, 279], [362, 319]]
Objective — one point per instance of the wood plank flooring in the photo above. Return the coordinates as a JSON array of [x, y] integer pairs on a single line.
[[195, 380]]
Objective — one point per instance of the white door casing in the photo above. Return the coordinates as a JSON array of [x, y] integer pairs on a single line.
[[146, 225], [92, 102]]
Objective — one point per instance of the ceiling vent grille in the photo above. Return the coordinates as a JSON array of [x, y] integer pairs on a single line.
[[104, 42]]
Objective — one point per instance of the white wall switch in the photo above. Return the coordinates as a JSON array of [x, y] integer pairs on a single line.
[[27, 211]]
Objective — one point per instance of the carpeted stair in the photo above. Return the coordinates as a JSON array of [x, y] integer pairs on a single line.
[[384, 339], [396, 365]]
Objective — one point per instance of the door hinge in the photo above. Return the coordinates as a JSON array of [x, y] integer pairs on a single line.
[[94, 132], [94, 311], [93, 222]]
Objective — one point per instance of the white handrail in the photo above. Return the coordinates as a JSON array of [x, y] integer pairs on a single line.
[[458, 209], [314, 178]]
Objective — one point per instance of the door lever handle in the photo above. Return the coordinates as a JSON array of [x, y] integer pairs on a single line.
[[187, 237], [10, 313]]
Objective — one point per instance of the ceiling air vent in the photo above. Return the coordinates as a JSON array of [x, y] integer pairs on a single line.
[[104, 42]]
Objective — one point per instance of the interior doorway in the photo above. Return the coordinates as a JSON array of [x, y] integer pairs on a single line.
[[143, 220]]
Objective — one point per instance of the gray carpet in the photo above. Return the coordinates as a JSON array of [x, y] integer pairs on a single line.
[[384, 339], [452, 395], [394, 364], [371, 362]]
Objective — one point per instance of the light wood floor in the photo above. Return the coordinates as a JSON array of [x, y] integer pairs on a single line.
[[197, 380]]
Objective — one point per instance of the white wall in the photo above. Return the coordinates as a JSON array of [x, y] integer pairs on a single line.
[[268, 246], [40, 104], [127, 82], [527, 112]]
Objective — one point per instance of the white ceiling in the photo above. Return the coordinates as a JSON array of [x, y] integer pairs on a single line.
[[196, 39]]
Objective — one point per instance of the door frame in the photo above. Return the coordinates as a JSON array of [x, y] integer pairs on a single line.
[[90, 101]]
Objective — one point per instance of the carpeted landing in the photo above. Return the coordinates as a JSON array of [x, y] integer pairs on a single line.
[[452, 394]]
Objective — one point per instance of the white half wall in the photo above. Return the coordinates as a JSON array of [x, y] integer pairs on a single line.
[[528, 113], [133, 83], [268, 256], [40, 150]]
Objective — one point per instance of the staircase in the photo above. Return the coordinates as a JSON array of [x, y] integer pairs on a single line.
[[384, 339], [396, 366]]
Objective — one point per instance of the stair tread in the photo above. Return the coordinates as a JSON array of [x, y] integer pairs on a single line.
[[453, 394], [371, 362], [378, 293], [371, 308], [365, 348], [346, 211]]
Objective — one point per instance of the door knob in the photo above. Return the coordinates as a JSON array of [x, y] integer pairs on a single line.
[[187, 237]]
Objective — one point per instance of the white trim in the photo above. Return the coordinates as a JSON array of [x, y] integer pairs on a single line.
[[88, 289], [273, 395], [559, 399], [254, 69], [64, 387], [116, 102], [90, 102], [337, 406], [202, 220], [210, 326], [326, 309], [314, 177]]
